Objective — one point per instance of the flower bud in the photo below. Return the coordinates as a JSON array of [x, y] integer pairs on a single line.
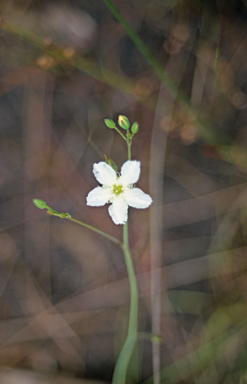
[[109, 123], [135, 127], [65, 215], [123, 122], [111, 163], [41, 204]]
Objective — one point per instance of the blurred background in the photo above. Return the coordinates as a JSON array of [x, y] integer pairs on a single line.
[[65, 66]]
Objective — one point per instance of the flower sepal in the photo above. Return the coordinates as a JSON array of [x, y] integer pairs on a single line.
[[111, 163]]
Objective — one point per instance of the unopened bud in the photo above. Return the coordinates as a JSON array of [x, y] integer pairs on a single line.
[[123, 122], [109, 123], [135, 127], [41, 204]]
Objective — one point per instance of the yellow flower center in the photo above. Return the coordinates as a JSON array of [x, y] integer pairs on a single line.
[[117, 189]]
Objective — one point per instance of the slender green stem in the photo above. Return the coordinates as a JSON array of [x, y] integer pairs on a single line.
[[129, 149], [41, 204], [129, 142], [120, 371], [119, 376], [126, 235], [69, 217], [121, 367], [109, 237], [133, 283], [120, 133]]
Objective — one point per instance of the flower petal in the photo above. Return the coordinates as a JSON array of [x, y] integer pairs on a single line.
[[99, 196], [136, 198], [130, 172], [118, 211], [104, 173]]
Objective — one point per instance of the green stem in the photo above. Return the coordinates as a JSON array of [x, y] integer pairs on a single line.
[[120, 371], [129, 142], [120, 133], [41, 204], [129, 151], [119, 376], [109, 237], [133, 283]]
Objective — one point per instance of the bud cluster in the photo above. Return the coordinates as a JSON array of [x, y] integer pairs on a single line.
[[124, 123]]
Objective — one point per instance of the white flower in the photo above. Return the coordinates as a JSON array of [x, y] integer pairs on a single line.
[[118, 190]]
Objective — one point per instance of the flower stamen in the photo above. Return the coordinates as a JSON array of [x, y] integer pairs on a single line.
[[117, 189]]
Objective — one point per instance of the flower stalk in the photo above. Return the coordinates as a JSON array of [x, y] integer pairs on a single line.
[[117, 189], [41, 204], [120, 372]]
